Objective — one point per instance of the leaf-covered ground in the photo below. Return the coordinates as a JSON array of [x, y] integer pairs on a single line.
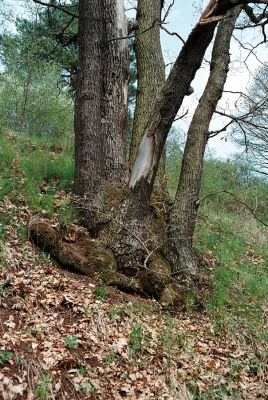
[[64, 336]]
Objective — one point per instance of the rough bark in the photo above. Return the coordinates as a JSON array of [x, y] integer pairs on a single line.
[[89, 141], [150, 70], [114, 108], [130, 230], [101, 104], [183, 215]]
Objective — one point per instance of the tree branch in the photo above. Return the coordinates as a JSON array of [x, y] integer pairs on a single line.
[[57, 7], [238, 200]]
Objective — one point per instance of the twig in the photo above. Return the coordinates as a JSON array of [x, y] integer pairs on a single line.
[[56, 6], [238, 200]]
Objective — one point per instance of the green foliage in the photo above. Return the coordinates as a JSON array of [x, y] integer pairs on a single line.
[[135, 340], [70, 342], [32, 99], [240, 275], [110, 357], [101, 292], [5, 356], [42, 389], [37, 178], [237, 178]]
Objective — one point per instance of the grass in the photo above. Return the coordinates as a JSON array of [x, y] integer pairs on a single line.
[[34, 169], [42, 389], [71, 342], [101, 292], [240, 276], [4, 357]]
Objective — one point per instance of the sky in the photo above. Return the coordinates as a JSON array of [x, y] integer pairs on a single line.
[[182, 18]]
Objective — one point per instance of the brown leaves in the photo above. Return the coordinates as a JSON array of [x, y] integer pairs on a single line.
[[42, 305]]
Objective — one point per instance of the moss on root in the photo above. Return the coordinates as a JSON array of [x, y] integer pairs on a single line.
[[90, 257], [155, 277]]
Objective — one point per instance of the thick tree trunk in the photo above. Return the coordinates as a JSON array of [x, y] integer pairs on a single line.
[[101, 104], [114, 108], [89, 141], [150, 71], [183, 215]]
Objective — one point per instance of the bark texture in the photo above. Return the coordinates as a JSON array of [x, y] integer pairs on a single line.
[[183, 215], [150, 67], [101, 103]]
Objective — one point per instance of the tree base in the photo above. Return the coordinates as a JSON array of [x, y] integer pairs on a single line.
[[88, 256]]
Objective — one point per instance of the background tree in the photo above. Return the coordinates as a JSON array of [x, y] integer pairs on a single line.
[[251, 125], [32, 99]]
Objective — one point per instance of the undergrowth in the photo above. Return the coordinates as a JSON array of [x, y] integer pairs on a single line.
[[240, 275], [37, 171]]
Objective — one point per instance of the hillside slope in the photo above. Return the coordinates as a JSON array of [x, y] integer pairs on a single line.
[[65, 336]]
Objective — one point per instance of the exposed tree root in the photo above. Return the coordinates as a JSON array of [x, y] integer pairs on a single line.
[[88, 256]]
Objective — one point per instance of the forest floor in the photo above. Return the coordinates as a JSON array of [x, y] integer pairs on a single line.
[[65, 336]]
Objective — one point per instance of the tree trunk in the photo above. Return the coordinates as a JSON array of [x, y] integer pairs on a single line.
[[150, 71], [101, 104], [114, 107], [183, 215], [170, 99]]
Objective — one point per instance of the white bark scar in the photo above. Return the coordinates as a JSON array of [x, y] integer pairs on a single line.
[[121, 23], [144, 160]]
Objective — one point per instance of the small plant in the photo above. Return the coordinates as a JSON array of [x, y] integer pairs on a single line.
[[22, 232], [19, 360], [4, 357], [255, 366], [5, 288], [113, 313], [180, 339], [89, 388], [135, 340], [189, 302], [81, 370], [43, 387], [101, 292], [110, 357], [70, 342], [37, 331]]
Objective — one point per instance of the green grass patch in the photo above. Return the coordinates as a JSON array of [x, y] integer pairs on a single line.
[[240, 277], [33, 169]]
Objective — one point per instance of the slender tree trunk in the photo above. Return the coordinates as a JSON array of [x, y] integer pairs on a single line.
[[183, 215], [101, 104], [150, 70], [170, 99], [25, 98]]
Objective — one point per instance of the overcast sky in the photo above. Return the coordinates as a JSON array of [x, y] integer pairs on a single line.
[[182, 19]]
